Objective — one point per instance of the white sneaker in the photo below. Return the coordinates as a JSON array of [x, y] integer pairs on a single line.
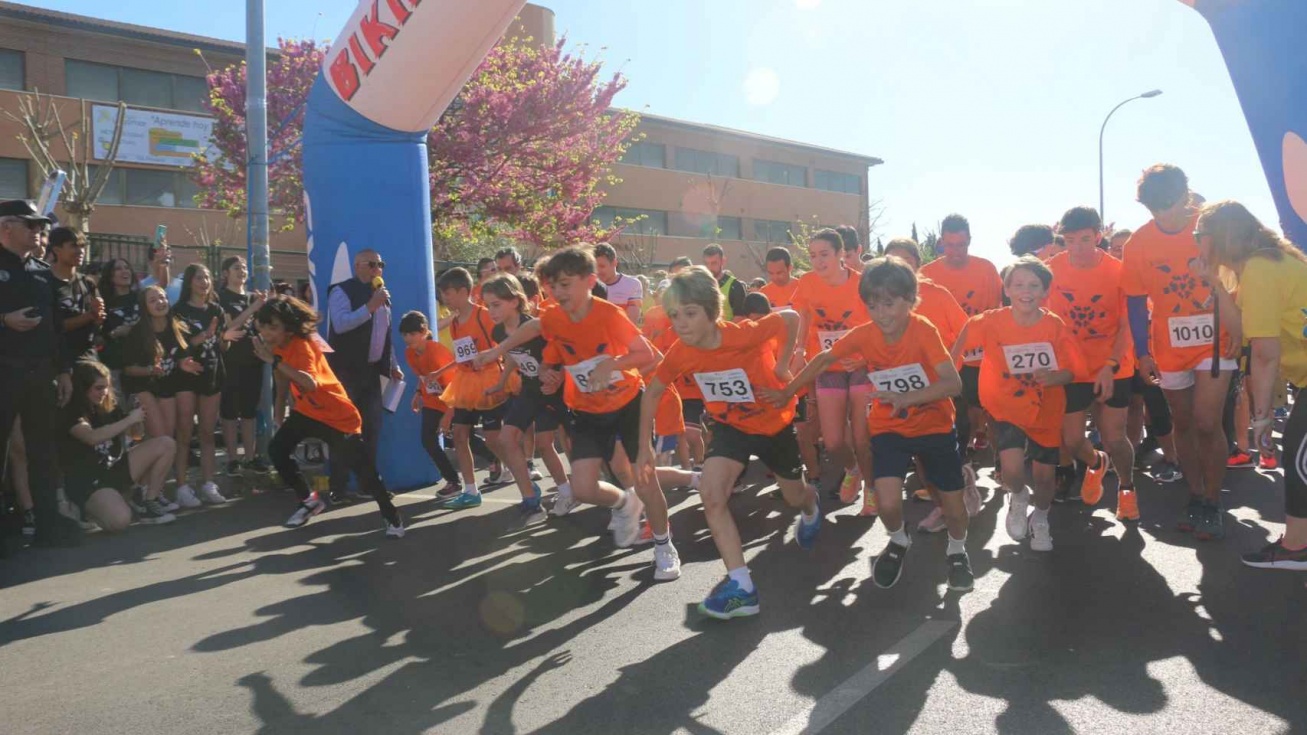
[[307, 510], [534, 473], [506, 477], [1018, 510], [667, 563], [167, 505], [186, 497], [933, 523], [626, 521], [970, 493], [209, 494], [564, 504], [1040, 538], [395, 531]]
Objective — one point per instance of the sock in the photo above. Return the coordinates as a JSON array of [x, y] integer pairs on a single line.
[[660, 540], [565, 489], [742, 578], [1098, 462], [900, 536], [809, 518], [1039, 515], [620, 503], [695, 477], [471, 488], [1126, 489], [956, 545]]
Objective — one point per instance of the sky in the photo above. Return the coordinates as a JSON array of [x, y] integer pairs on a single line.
[[991, 108]]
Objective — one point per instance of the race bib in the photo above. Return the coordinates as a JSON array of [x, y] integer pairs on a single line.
[[526, 364], [1191, 331], [464, 349], [431, 384], [580, 373], [901, 379], [973, 355], [1030, 357], [827, 339], [731, 386]]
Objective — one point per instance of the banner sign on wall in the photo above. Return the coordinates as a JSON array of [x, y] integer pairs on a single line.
[[158, 138]]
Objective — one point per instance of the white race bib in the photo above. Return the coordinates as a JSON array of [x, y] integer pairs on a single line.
[[431, 383], [1029, 357], [526, 364], [973, 355], [464, 349], [827, 339], [580, 373], [1191, 331], [731, 386], [901, 379]]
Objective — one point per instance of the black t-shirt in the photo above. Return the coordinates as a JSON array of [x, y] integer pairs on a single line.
[[72, 299], [119, 311], [136, 354], [197, 319], [83, 463], [240, 352], [527, 356]]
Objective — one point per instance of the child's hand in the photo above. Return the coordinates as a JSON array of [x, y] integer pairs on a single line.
[[1043, 376], [645, 469], [484, 358], [189, 365], [774, 396], [417, 401], [602, 374], [898, 402], [497, 387], [550, 381]]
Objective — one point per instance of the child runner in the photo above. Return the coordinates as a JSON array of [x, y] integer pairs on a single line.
[[322, 411], [732, 362], [1028, 355], [911, 416], [429, 361]]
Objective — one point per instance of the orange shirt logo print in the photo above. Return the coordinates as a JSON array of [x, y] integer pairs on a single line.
[[1084, 318], [1183, 286]]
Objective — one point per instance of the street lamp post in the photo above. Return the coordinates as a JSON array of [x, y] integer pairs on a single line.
[[1145, 95]]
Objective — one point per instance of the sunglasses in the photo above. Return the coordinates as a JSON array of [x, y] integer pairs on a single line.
[[375, 263], [31, 223]]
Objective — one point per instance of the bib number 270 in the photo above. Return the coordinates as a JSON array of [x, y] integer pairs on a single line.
[[1028, 358]]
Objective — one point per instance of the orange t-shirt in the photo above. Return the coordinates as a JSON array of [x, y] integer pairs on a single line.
[[655, 324], [908, 364], [328, 404], [476, 330], [1159, 265], [686, 386], [669, 419], [605, 330], [1092, 304], [941, 310], [831, 311], [432, 358], [780, 296], [976, 286], [1008, 389], [730, 375]]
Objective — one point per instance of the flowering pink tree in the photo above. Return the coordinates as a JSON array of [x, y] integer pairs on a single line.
[[521, 154]]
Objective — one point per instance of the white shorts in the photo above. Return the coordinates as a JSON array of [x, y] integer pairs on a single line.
[[1186, 378]]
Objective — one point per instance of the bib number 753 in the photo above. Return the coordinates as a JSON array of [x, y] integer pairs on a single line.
[[730, 386]]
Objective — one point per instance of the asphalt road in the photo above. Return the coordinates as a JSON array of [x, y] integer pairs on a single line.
[[224, 622]]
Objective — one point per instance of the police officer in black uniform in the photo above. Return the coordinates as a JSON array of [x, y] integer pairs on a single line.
[[35, 375]]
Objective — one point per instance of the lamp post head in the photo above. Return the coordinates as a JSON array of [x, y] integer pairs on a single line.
[[1151, 94]]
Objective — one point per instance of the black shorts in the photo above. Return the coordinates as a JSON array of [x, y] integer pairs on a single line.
[[779, 452], [490, 420], [595, 435], [80, 489], [938, 453], [532, 407], [1011, 436], [970, 375], [801, 410], [241, 392], [1080, 396], [692, 409], [207, 383]]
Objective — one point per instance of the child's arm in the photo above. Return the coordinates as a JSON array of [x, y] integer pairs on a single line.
[[644, 462], [786, 356], [947, 384], [523, 334], [640, 355], [815, 367]]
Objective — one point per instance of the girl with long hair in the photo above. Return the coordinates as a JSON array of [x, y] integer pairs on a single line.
[[120, 289], [243, 387], [199, 394]]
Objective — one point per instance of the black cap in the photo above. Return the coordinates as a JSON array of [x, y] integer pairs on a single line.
[[23, 209]]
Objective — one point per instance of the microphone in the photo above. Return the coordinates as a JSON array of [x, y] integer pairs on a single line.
[[379, 283]]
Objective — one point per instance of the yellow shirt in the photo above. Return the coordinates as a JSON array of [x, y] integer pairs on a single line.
[[444, 337], [1273, 298]]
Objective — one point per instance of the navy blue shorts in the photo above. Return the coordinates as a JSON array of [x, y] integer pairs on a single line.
[[892, 456]]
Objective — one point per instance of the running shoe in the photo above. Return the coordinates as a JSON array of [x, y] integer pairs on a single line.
[[1091, 488], [667, 563], [646, 533], [210, 495], [136, 501], [153, 513], [564, 504], [186, 497], [1193, 515], [1167, 472], [870, 508], [450, 489], [960, 576], [850, 487], [1267, 462], [933, 523], [971, 491], [258, 466], [312, 506], [922, 494], [494, 474], [29, 523], [1212, 525], [1147, 447], [1018, 511], [805, 534], [888, 567], [1276, 555], [1127, 505], [728, 601], [463, 501], [395, 532], [532, 472], [1282, 413], [234, 468], [627, 520], [164, 502], [1239, 459], [1040, 537]]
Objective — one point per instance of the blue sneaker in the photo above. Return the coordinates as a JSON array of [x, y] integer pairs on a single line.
[[463, 500], [728, 601], [805, 534], [531, 506]]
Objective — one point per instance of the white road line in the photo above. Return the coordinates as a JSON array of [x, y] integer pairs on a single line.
[[838, 701]]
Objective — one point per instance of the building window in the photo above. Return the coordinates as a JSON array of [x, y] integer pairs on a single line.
[[779, 173], [148, 188], [11, 70], [728, 228], [106, 83], [707, 162], [653, 155], [13, 178], [769, 230], [651, 221], [836, 181]]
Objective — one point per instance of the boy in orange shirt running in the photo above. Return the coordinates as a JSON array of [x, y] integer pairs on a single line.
[[732, 364], [428, 359], [1028, 355], [911, 416]]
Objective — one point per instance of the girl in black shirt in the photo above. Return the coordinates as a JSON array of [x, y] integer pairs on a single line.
[[243, 386], [154, 357], [199, 395], [120, 290]]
